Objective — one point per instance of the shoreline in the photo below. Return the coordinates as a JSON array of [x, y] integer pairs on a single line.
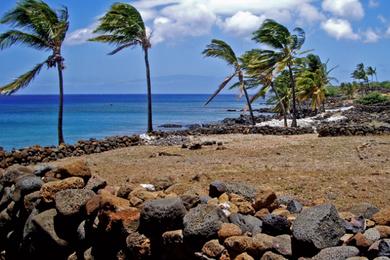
[[339, 121]]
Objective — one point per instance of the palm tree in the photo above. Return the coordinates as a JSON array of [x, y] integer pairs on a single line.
[[312, 81], [286, 46], [259, 66], [123, 27], [360, 74], [222, 50], [41, 28]]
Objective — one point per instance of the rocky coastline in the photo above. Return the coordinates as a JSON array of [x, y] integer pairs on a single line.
[[360, 120], [65, 212]]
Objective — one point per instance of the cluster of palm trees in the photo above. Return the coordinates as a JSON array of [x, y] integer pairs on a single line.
[[363, 74], [280, 68]]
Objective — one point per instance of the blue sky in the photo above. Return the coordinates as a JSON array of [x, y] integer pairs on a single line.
[[346, 32]]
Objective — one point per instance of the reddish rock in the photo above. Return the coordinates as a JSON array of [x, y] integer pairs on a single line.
[[244, 256], [213, 248], [49, 190], [106, 201], [382, 217], [138, 246], [126, 220], [78, 168], [238, 244], [262, 213], [384, 231], [272, 256], [264, 199], [229, 230]]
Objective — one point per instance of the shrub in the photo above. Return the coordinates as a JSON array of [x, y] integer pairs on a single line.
[[332, 91], [373, 98]]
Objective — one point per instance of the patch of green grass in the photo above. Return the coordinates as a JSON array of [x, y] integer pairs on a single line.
[[373, 98]]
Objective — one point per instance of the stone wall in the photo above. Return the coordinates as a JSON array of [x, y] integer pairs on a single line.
[[351, 130], [65, 213], [37, 154]]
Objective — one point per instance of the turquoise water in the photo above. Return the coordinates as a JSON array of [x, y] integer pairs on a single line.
[[30, 120]]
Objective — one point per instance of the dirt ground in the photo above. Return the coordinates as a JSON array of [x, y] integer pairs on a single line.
[[342, 170]]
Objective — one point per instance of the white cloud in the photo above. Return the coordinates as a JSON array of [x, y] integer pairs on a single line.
[[339, 29], [388, 31], [178, 21], [373, 3], [242, 23], [344, 8], [370, 36], [309, 13], [81, 36]]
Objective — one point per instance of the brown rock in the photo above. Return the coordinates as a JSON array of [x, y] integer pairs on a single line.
[[143, 194], [281, 212], [262, 243], [77, 168], [223, 198], [272, 256], [382, 217], [49, 190], [106, 201], [229, 230], [225, 255], [138, 246], [264, 199], [244, 256], [245, 208], [126, 220], [262, 213], [213, 248], [384, 231], [174, 237], [361, 241], [238, 244]]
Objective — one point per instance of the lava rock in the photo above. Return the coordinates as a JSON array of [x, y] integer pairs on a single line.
[[247, 223], [25, 185], [336, 253], [202, 223], [275, 225], [14, 172], [70, 203], [384, 248], [158, 216], [366, 210], [96, 183], [264, 199], [294, 206], [49, 190], [217, 188], [317, 228]]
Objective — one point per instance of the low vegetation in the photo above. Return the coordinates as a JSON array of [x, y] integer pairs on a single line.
[[373, 98]]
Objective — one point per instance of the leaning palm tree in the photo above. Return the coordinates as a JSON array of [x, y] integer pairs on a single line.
[[41, 28], [259, 66], [123, 27], [222, 50], [286, 46]]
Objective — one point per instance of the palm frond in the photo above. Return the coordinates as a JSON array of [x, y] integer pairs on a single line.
[[272, 34], [222, 50], [122, 47], [21, 81], [12, 37], [123, 23], [220, 88]]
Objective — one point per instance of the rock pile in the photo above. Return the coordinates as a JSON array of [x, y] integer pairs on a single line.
[[351, 130], [66, 213], [38, 154]]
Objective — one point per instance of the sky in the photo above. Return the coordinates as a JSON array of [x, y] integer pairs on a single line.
[[345, 32]]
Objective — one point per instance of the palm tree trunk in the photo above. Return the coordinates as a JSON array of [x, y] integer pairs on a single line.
[[248, 102], [281, 104], [149, 87], [294, 119], [61, 104]]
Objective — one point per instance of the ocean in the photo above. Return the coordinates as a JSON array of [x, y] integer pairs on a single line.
[[27, 120]]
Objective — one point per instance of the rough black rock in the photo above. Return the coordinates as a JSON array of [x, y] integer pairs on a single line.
[[247, 223], [202, 223], [275, 225], [158, 216], [317, 228], [337, 253]]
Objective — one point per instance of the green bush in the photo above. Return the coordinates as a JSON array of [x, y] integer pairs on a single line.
[[373, 98], [332, 91]]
